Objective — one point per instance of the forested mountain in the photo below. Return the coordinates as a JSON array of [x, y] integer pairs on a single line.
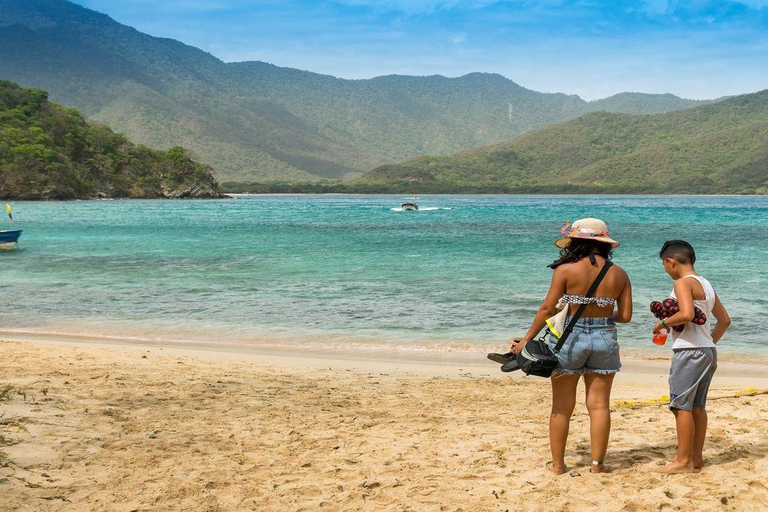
[[51, 152], [254, 121], [720, 148]]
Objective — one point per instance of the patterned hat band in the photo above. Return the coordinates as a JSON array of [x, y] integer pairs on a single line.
[[579, 232], [589, 229]]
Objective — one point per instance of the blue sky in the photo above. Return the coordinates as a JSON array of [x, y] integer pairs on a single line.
[[593, 48]]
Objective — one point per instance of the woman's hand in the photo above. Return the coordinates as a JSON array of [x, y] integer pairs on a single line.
[[517, 344]]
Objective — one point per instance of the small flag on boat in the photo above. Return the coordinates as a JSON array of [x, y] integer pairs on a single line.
[[8, 211]]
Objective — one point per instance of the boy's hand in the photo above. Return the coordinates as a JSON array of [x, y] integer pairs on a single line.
[[658, 327]]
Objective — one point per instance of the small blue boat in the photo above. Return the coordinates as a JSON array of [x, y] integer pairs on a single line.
[[9, 239]]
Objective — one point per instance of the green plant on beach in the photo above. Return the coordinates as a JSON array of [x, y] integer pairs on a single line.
[[5, 393]]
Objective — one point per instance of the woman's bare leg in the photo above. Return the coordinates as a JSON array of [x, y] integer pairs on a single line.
[[563, 402], [599, 407]]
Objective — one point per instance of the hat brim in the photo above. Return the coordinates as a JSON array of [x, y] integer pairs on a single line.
[[564, 242]]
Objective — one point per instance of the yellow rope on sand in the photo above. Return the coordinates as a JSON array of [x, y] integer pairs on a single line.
[[664, 399]]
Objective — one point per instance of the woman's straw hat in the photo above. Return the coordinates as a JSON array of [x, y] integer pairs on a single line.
[[591, 229]]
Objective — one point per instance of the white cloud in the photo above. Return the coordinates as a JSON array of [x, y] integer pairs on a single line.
[[656, 7], [459, 38]]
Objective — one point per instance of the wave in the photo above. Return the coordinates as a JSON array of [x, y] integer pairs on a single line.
[[424, 209]]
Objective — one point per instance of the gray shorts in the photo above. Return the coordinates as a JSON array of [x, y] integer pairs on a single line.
[[689, 377]]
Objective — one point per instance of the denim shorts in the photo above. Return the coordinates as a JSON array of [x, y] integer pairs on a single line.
[[592, 347]]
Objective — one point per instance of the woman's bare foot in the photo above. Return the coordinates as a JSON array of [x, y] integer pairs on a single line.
[[600, 468], [676, 468], [557, 469]]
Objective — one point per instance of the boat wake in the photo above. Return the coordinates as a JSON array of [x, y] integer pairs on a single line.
[[421, 209]]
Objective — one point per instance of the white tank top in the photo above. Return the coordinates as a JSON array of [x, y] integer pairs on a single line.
[[697, 336]]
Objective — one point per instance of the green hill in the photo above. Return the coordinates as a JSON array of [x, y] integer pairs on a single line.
[[254, 121], [51, 152], [713, 149]]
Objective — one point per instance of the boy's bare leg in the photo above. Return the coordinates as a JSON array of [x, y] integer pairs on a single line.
[[699, 435], [563, 402], [599, 407], [683, 463]]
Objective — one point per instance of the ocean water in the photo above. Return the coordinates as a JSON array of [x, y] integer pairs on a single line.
[[353, 272]]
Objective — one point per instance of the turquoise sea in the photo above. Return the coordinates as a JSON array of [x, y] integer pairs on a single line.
[[463, 274]]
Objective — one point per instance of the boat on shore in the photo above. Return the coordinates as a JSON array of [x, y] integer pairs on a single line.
[[409, 207], [9, 239]]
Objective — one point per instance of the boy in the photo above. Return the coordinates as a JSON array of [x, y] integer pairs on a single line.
[[694, 357]]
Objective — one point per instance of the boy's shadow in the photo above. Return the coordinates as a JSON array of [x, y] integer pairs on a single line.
[[717, 451]]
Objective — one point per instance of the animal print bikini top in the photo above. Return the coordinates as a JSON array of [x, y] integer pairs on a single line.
[[601, 302]]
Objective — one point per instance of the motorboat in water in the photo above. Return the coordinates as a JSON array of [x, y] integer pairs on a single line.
[[409, 207], [9, 239]]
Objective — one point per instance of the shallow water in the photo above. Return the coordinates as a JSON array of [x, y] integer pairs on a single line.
[[465, 273]]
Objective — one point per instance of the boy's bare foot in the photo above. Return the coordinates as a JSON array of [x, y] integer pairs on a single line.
[[698, 463], [676, 468], [600, 468]]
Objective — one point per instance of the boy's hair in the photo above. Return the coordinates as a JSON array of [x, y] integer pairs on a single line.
[[678, 250]]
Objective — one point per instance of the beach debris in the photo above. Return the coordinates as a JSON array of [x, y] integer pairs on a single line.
[[574, 474], [56, 497]]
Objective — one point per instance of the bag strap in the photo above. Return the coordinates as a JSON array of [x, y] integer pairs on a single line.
[[575, 318]]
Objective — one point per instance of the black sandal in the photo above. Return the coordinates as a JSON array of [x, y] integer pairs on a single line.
[[502, 358]]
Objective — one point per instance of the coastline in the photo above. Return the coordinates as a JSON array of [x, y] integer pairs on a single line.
[[94, 426], [637, 366]]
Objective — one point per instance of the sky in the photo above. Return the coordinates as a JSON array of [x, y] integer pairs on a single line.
[[696, 49]]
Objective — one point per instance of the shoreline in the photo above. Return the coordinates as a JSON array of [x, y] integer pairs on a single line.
[[399, 362]]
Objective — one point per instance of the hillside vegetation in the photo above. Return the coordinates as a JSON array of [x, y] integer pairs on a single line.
[[713, 149], [255, 121], [51, 152]]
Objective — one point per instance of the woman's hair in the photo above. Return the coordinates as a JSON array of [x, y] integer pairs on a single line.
[[581, 248]]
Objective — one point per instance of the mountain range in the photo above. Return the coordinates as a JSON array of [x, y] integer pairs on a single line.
[[254, 121], [720, 148]]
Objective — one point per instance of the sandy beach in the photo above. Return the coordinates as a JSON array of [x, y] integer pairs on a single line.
[[119, 427]]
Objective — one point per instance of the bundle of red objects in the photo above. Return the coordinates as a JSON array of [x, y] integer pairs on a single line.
[[669, 307]]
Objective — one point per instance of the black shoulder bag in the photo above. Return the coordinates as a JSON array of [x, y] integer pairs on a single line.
[[537, 358]]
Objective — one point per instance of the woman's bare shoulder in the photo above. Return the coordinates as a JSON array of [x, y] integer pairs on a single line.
[[620, 272]]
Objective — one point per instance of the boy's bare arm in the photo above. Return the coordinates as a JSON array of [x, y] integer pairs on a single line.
[[723, 320]]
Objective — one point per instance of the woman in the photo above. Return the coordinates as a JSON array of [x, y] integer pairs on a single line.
[[592, 349]]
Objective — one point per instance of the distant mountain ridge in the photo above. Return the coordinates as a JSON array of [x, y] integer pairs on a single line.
[[720, 148], [253, 121]]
